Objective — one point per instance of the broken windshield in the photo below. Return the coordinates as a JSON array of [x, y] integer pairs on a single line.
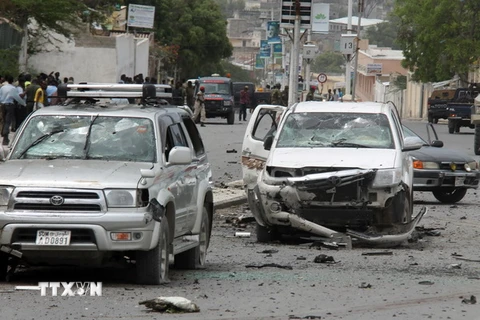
[[106, 138], [336, 130]]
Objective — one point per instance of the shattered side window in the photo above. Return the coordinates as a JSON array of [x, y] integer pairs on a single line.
[[265, 124], [336, 130], [87, 137]]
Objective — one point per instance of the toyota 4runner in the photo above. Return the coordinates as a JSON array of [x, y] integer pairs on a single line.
[[98, 179]]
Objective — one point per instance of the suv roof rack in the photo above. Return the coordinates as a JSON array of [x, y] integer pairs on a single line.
[[114, 90]]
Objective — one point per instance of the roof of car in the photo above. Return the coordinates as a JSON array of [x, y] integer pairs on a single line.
[[119, 110], [346, 107]]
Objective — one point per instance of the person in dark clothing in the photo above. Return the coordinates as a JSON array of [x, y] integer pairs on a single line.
[[244, 102], [190, 95]]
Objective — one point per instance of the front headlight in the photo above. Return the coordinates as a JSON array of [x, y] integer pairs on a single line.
[[471, 166], [417, 164], [227, 103], [5, 193], [121, 198], [387, 178]]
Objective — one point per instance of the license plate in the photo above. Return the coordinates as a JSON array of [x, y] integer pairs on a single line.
[[459, 181], [53, 238]]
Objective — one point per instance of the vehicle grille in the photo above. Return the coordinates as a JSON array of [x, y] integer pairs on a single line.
[[29, 235], [214, 104], [40, 199], [446, 166], [346, 193]]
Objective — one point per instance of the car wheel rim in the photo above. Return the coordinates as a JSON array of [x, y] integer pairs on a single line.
[[203, 242], [163, 256]]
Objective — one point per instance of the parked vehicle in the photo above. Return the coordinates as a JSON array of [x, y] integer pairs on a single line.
[[219, 100], [262, 97], [475, 119], [437, 104], [448, 174], [459, 111], [330, 168], [93, 181]]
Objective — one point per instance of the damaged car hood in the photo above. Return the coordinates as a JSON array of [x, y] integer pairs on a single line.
[[332, 157], [71, 173]]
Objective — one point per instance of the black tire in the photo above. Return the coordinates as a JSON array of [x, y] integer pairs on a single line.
[[430, 118], [451, 196], [435, 120], [265, 235], [152, 266], [3, 266], [476, 141], [451, 127], [231, 117], [195, 258], [457, 128]]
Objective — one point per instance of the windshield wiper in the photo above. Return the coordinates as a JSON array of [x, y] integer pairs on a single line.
[[87, 139], [342, 143], [38, 140]]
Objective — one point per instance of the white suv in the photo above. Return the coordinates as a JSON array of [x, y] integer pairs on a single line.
[[329, 167], [92, 180]]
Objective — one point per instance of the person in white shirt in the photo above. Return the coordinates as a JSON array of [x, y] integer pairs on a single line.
[[9, 94]]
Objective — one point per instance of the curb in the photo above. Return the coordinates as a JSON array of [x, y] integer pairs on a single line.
[[233, 200]]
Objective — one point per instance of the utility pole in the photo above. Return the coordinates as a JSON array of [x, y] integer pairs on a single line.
[[357, 49], [293, 80], [348, 64], [307, 68]]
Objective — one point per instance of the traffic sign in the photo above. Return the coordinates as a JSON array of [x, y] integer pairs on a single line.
[[347, 43], [322, 78]]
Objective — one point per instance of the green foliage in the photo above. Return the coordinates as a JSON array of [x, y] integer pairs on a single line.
[[329, 62], [199, 30], [9, 61], [400, 83], [439, 38], [228, 8], [383, 35], [237, 73]]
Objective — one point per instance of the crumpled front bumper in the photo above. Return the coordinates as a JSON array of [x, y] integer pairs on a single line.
[[285, 205], [429, 180]]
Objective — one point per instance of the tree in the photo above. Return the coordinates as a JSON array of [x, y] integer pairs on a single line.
[[439, 38], [229, 7], [383, 34], [199, 30], [329, 62]]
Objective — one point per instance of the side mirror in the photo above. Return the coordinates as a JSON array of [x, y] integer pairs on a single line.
[[267, 144], [437, 143], [412, 143], [180, 155]]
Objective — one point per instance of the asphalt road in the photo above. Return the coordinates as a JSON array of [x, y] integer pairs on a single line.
[[424, 279]]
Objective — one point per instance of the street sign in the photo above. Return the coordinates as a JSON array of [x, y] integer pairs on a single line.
[[289, 11], [347, 43], [322, 78], [309, 51], [140, 16]]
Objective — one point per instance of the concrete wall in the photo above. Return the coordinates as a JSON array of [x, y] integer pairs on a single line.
[[93, 58]]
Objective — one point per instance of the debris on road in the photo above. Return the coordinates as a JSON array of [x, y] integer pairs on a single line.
[[426, 282], [301, 318], [378, 253], [268, 251], [242, 234], [365, 285], [455, 266], [232, 151], [323, 258], [171, 305], [472, 300], [267, 265], [467, 259]]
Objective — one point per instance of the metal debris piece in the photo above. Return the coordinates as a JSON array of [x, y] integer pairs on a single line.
[[426, 282], [171, 305], [472, 300], [467, 259], [378, 253], [323, 258], [306, 317], [266, 265], [242, 234], [365, 285], [455, 266], [457, 255], [301, 258], [232, 151], [433, 233], [268, 251]]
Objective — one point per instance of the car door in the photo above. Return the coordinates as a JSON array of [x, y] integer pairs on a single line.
[[265, 121]]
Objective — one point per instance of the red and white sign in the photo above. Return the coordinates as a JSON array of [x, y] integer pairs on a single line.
[[322, 78]]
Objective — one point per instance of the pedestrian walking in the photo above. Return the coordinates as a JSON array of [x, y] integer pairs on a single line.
[[244, 103], [200, 107], [8, 96], [335, 95], [329, 95], [285, 96], [30, 94]]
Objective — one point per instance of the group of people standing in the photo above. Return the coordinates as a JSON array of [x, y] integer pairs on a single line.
[[23, 95]]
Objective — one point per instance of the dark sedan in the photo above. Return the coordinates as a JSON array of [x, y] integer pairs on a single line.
[[448, 174]]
